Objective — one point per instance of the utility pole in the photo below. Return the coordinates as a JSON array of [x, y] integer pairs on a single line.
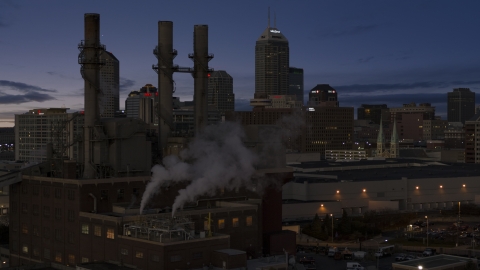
[[427, 229], [332, 226], [458, 222]]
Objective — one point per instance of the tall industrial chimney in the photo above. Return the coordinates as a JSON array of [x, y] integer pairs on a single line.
[[89, 59], [200, 76], [165, 55]]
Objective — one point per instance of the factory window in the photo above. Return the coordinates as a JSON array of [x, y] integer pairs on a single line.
[[85, 229], [120, 194], [235, 222], [249, 221], [110, 233], [84, 260], [35, 209], [124, 251], [25, 228], [25, 208], [139, 254], [221, 223], [206, 225], [71, 195], [97, 231], [71, 259], [197, 255], [58, 213], [71, 238], [24, 189], [36, 190], [175, 258], [104, 195], [46, 254], [25, 249], [46, 232], [36, 252], [58, 257], [58, 235], [36, 231], [58, 193], [46, 192], [71, 215], [155, 258]]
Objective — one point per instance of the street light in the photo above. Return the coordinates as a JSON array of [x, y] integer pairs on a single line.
[[420, 267], [427, 229], [331, 215]]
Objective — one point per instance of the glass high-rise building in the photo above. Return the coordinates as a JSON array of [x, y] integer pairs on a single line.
[[271, 63], [220, 91], [295, 83], [460, 105], [108, 98]]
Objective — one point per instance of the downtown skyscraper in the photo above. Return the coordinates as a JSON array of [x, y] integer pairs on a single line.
[[271, 63], [460, 105]]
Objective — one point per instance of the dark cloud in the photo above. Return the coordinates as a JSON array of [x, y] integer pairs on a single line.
[[126, 84], [365, 60], [28, 97], [357, 29], [22, 87], [365, 88]]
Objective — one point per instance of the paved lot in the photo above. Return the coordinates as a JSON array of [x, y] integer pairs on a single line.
[[324, 262]]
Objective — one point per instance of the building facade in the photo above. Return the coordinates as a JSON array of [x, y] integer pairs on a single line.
[[271, 63], [220, 91], [109, 96], [372, 112], [460, 105], [39, 127], [323, 95], [472, 140], [141, 104], [295, 83]]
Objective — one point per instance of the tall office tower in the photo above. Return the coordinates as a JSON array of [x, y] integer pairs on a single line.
[[295, 82], [109, 85], [39, 127], [220, 92], [472, 142], [373, 112], [461, 105], [141, 104], [271, 63], [323, 95]]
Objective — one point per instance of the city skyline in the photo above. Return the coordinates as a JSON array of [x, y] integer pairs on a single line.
[[371, 52]]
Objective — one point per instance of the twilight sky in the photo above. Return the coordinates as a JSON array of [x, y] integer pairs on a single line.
[[391, 52]]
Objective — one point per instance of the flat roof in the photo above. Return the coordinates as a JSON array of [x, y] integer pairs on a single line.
[[434, 261], [378, 170]]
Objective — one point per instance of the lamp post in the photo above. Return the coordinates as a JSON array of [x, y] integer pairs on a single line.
[[331, 215], [458, 222], [427, 229]]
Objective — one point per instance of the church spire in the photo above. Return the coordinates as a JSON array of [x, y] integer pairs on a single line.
[[380, 139], [394, 142]]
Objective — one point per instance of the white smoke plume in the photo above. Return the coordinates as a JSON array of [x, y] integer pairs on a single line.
[[219, 159]]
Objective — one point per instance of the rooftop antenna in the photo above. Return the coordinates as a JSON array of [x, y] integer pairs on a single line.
[[268, 17], [274, 19]]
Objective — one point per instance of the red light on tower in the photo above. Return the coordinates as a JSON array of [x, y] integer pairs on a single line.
[[208, 75]]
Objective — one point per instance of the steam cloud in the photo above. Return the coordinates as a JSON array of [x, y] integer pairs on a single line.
[[219, 159]]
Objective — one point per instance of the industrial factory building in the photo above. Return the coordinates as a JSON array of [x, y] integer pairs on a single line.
[[85, 208], [328, 187]]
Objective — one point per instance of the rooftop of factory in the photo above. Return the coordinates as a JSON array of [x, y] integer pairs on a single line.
[[378, 170]]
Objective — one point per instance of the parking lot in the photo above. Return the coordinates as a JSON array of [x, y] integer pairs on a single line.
[[328, 263]]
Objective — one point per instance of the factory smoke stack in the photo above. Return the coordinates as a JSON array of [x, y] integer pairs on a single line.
[[200, 76], [89, 59], [165, 54]]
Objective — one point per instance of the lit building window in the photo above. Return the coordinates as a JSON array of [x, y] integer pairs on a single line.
[[110, 233], [235, 222], [85, 229], [249, 221], [221, 223], [97, 231], [139, 255]]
